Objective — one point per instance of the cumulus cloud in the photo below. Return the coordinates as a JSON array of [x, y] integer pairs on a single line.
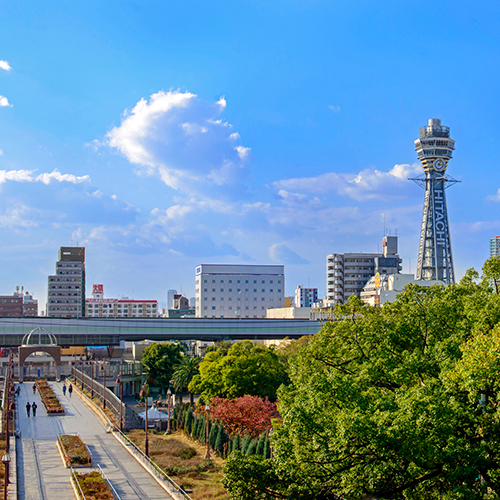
[[4, 102], [45, 178], [365, 185], [335, 109], [180, 138], [279, 252], [5, 65]]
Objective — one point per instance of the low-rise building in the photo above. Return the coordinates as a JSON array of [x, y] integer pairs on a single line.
[[384, 288], [19, 305], [100, 307]]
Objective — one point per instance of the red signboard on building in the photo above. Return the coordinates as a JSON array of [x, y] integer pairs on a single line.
[[97, 288]]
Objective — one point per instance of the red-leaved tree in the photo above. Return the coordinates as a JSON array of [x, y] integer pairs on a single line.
[[246, 415]]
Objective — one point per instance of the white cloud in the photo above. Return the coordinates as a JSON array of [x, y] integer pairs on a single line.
[[5, 65], [182, 139], [335, 109], [1, 152], [45, 178], [55, 175], [4, 102], [494, 197], [367, 184]]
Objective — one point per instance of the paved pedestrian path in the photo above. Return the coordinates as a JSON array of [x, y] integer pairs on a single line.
[[41, 473]]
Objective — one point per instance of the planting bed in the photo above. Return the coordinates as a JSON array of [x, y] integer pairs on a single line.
[[73, 450], [49, 399], [93, 486]]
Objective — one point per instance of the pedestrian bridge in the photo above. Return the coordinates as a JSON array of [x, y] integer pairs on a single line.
[[96, 331]]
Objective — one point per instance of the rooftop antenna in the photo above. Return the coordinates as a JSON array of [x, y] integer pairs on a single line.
[[384, 223]]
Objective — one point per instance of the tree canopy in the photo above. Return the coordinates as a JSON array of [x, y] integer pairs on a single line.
[[244, 368], [389, 403], [158, 361]]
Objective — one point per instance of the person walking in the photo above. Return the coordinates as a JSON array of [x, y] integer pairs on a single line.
[[34, 388], [64, 389], [70, 390], [34, 407], [28, 408]]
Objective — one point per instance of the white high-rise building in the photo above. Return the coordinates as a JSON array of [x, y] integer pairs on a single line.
[[347, 274], [495, 246], [238, 291]]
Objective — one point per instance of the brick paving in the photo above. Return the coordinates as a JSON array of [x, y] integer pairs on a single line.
[[40, 470]]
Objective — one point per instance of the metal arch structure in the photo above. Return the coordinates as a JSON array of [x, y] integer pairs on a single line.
[[28, 347], [41, 331], [435, 257]]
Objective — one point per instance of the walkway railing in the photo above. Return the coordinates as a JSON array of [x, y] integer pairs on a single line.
[[170, 485], [108, 482], [154, 469], [107, 397]]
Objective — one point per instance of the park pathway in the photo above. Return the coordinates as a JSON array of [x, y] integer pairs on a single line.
[[40, 471]]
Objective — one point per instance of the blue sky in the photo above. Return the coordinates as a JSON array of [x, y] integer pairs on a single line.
[[163, 135]]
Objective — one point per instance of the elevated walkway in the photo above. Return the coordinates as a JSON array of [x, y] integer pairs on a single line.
[[40, 471]]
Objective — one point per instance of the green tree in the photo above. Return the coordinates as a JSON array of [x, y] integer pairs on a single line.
[[183, 373], [244, 368], [158, 361], [389, 403]]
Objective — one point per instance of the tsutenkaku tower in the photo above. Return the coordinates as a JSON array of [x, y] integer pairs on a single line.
[[435, 148]]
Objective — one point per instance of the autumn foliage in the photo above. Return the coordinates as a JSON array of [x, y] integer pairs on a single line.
[[246, 415]]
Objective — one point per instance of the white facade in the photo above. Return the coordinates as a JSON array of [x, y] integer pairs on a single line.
[[347, 274], [99, 307], [238, 291], [376, 292], [495, 246]]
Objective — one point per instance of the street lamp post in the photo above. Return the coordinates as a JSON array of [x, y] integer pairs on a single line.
[[81, 370], [207, 454], [6, 462], [145, 394], [169, 395], [103, 368], [119, 380]]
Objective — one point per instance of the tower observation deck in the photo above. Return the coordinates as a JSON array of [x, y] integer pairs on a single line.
[[435, 148]]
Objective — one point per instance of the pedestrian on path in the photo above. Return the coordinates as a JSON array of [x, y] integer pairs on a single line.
[[70, 390], [64, 389], [18, 390], [34, 388], [28, 408], [34, 407]]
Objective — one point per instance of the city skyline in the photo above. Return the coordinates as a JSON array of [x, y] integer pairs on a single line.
[[163, 137]]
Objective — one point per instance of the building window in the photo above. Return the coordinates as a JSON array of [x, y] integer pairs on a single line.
[[205, 308], [263, 290], [255, 290], [246, 281], [271, 291], [213, 289], [213, 308], [213, 299], [204, 281], [222, 290], [205, 289], [222, 281]]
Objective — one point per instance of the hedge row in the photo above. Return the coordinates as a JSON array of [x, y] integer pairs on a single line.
[[196, 427]]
